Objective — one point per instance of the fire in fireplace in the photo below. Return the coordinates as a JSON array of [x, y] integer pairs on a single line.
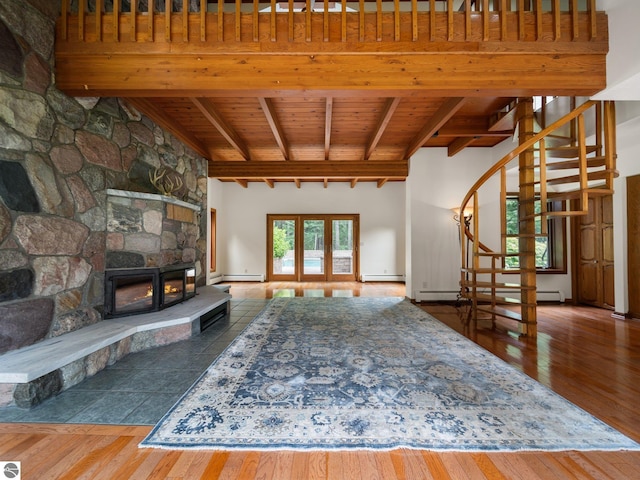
[[129, 291]]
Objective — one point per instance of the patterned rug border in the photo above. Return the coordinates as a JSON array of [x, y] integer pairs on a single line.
[[624, 443]]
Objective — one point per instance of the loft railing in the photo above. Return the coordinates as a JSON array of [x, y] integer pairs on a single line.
[[328, 21]]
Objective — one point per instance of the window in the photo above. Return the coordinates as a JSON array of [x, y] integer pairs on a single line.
[[550, 249]]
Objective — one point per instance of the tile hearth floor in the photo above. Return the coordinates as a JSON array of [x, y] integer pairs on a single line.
[[140, 388]]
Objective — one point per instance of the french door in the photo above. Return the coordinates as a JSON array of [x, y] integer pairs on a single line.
[[312, 248]]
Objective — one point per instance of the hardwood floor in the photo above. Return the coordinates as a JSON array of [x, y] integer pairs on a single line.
[[581, 353]]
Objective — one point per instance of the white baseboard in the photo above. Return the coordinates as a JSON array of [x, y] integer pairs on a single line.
[[368, 277], [216, 279], [435, 295], [244, 278]]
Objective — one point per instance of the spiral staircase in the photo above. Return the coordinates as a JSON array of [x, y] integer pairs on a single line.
[[565, 162]]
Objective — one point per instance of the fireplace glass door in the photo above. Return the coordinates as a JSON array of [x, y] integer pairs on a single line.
[[172, 285], [133, 294]]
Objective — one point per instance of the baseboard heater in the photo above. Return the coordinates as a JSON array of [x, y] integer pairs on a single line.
[[243, 278], [451, 295], [381, 278], [212, 316], [216, 279]]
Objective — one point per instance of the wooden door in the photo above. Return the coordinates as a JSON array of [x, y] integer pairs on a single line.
[[633, 244], [594, 245]]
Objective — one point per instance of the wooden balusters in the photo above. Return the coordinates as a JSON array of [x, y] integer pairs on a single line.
[[449, 20], [81, 9], [203, 20], [220, 33], [185, 20], [556, 19], [521, 20], [395, 21], [150, 20], [573, 8], [133, 18], [485, 20], [116, 20], [379, 20], [98, 16], [238, 18], [593, 29], [538, 12], [325, 20], [167, 21], [414, 20], [291, 22]]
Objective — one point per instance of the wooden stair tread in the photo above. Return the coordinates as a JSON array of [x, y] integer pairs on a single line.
[[502, 312], [493, 270], [497, 299], [599, 175], [567, 152], [592, 162], [496, 254], [514, 286]]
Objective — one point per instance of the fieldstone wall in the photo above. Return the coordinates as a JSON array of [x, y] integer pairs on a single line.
[[58, 157]]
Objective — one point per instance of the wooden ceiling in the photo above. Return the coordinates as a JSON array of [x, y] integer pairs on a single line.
[[274, 98], [308, 137]]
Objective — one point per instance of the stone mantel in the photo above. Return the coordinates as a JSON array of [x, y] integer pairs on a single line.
[[152, 196]]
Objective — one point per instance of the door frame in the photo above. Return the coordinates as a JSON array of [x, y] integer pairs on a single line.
[[328, 275]]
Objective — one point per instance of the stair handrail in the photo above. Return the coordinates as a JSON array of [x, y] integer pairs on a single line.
[[513, 154]]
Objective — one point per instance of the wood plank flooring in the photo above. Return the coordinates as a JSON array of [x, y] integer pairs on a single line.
[[581, 353]]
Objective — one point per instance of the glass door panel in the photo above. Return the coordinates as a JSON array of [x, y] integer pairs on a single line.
[[313, 252], [283, 241], [342, 247]]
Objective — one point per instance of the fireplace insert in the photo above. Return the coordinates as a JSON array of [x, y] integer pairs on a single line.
[[129, 291]]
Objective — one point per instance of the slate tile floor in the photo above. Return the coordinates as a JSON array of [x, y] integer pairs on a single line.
[[140, 388]]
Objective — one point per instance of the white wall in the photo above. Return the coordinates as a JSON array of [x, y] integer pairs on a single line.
[[214, 200], [437, 184], [628, 143], [242, 221], [623, 61]]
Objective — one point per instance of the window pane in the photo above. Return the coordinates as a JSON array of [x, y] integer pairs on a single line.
[[513, 244], [313, 247], [512, 216], [284, 238], [342, 248]]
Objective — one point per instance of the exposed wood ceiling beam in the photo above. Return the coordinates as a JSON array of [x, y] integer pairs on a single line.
[[296, 170], [442, 115], [269, 182], [327, 127], [354, 182], [212, 115], [326, 182], [276, 128], [241, 182], [444, 74], [168, 123], [381, 182], [389, 108], [297, 182], [459, 144]]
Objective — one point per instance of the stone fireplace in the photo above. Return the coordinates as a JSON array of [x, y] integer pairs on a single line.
[[64, 163]]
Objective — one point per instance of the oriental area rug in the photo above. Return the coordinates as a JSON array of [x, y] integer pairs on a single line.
[[369, 373]]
